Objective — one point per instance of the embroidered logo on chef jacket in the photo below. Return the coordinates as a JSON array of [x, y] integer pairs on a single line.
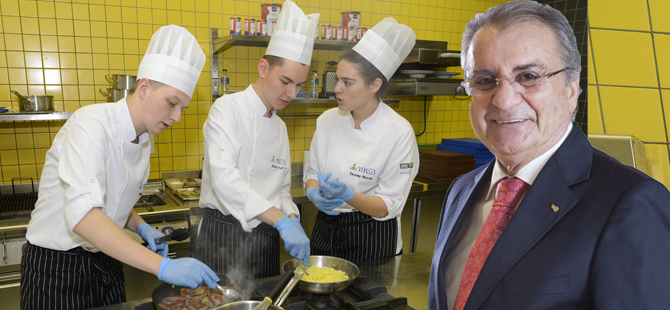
[[406, 168], [278, 163], [362, 172]]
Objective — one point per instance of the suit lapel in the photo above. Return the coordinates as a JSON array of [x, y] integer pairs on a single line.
[[535, 216]]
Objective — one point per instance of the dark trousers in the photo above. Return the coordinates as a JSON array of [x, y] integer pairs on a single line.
[[74, 279], [354, 236], [238, 255]]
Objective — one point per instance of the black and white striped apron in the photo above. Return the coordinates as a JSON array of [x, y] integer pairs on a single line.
[[73, 279], [225, 247], [354, 236]]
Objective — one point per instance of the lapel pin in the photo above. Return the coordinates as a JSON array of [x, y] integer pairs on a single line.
[[554, 207]]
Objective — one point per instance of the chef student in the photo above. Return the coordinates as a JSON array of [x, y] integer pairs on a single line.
[[246, 177], [94, 174], [364, 155]]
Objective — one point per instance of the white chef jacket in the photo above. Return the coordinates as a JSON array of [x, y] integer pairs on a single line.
[[381, 159], [91, 163], [247, 168]]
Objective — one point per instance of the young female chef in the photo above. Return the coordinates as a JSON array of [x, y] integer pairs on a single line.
[[363, 153], [94, 174], [246, 177]]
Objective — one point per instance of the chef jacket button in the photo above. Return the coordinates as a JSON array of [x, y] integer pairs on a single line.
[[92, 180]]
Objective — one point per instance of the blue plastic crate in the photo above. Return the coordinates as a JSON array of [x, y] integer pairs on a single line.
[[465, 142]]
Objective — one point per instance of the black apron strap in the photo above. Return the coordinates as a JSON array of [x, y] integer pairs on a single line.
[[234, 253], [354, 236], [74, 279]]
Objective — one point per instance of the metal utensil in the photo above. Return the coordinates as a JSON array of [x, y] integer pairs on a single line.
[[34, 103]]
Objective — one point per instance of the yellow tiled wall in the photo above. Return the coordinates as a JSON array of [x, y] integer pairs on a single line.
[[65, 49], [629, 75]]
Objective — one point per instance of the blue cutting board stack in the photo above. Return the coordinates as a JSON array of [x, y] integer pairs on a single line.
[[468, 146]]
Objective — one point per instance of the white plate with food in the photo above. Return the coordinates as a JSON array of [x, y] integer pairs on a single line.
[[417, 74], [445, 74]]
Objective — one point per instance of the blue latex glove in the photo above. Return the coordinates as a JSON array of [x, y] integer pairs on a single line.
[[188, 272], [149, 234], [296, 242], [324, 204], [337, 189]]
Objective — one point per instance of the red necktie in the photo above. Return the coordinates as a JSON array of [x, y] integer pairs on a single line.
[[508, 193]]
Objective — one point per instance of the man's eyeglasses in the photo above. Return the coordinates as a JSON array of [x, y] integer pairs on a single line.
[[482, 84]]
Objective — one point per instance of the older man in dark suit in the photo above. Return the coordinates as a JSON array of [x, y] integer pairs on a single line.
[[551, 223]]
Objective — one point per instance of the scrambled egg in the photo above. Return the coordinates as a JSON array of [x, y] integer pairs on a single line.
[[324, 275]]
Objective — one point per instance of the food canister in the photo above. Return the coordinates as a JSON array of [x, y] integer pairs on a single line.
[[351, 19], [326, 32], [249, 26], [336, 33], [272, 27], [270, 12], [360, 32], [261, 27], [235, 25]]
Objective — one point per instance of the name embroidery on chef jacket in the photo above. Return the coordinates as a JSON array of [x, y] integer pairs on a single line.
[[362, 172], [278, 163]]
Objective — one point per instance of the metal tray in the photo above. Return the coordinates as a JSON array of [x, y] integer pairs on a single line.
[[191, 193]]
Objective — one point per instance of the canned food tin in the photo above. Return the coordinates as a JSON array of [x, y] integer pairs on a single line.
[[235, 25], [272, 28], [270, 12], [326, 32], [352, 34], [249, 26], [261, 27], [336, 33], [360, 32], [351, 19]]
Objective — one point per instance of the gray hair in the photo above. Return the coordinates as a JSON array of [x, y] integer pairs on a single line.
[[517, 12]]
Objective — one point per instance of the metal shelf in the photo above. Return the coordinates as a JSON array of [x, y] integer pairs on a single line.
[[225, 42], [10, 117], [322, 100]]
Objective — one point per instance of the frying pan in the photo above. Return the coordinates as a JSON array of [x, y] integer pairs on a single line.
[[168, 290], [320, 261], [280, 287]]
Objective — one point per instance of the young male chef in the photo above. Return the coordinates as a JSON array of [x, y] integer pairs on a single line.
[[246, 176], [94, 174]]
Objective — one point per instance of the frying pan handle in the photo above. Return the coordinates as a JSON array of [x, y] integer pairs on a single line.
[[110, 79], [281, 283]]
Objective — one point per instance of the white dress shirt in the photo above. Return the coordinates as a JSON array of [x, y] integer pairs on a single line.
[[460, 248], [91, 163], [247, 168], [381, 159]]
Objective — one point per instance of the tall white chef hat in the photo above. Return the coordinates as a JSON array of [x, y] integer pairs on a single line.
[[293, 37], [173, 58], [386, 45]]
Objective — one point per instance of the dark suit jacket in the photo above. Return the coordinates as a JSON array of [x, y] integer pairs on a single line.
[[607, 246]]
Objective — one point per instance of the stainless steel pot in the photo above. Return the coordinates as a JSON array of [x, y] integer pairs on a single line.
[[121, 81], [114, 95], [35, 103]]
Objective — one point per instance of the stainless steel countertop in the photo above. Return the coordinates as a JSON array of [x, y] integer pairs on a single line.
[[176, 206], [405, 275]]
